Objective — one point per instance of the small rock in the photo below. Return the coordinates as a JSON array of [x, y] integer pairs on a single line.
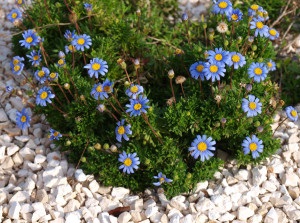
[[242, 175], [150, 211], [243, 213], [73, 217], [39, 158], [271, 216], [80, 176], [7, 164], [27, 154], [20, 196], [213, 214], [259, 175], [72, 206], [41, 196], [293, 147], [255, 219], [94, 186], [294, 138], [226, 217], [136, 216], [201, 186], [269, 186], [124, 217], [293, 215], [290, 179], [178, 203], [12, 150], [14, 210]]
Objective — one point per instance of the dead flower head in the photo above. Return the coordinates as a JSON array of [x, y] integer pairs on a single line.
[[170, 101], [222, 27], [180, 79]]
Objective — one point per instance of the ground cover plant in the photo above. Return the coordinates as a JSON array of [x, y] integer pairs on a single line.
[[141, 99]]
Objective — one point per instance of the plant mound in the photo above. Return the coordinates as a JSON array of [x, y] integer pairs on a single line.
[[142, 98]]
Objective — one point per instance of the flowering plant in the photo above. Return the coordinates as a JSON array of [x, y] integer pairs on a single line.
[[107, 88]]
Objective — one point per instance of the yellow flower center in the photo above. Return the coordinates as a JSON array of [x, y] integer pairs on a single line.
[[213, 68], [17, 68], [137, 106], [107, 89], [121, 130], [14, 15], [294, 113], [99, 88], [41, 73], [15, 61], [253, 146], [269, 64], [96, 66], [178, 51], [134, 89], [223, 5], [218, 57], [234, 17], [254, 7], [20, 2], [80, 41], [127, 162], [36, 57], [52, 75], [71, 48], [252, 105], [272, 32], [161, 180], [23, 118], [29, 39], [259, 25], [60, 62], [199, 68], [235, 58], [56, 133], [202, 146], [259, 13], [44, 95], [258, 71]]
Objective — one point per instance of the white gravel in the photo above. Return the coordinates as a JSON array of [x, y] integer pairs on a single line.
[[37, 184]]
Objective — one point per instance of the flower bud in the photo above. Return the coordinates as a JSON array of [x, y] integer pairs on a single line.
[[189, 176], [217, 124], [136, 63], [260, 60], [248, 87], [260, 128], [226, 42], [138, 12], [61, 54], [68, 143], [67, 86], [171, 74], [106, 146], [73, 18], [91, 149], [281, 102], [257, 123], [97, 146], [83, 159], [254, 47], [239, 39], [204, 25], [147, 161], [184, 17], [211, 31], [82, 98], [101, 108], [223, 120], [211, 37], [113, 148], [250, 39], [122, 63]]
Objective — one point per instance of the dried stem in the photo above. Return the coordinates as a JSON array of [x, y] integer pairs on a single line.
[[145, 117], [172, 90]]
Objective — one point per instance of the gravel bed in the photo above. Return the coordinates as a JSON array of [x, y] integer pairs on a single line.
[[37, 184]]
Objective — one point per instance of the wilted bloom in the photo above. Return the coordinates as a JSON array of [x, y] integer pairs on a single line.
[[214, 71], [171, 101], [235, 16], [196, 70], [161, 179], [97, 66], [252, 106], [184, 17], [258, 71], [42, 75], [30, 39], [69, 35], [248, 87], [271, 65], [218, 98], [171, 74], [122, 131], [236, 59], [14, 15], [222, 7], [101, 107], [44, 95], [134, 90], [273, 34], [222, 27], [87, 6], [70, 48], [82, 41], [260, 28], [23, 119], [54, 135], [202, 146], [130, 162], [61, 55], [291, 113], [35, 58], [253, 145], [179, 52], [137, 106], [180, 79]]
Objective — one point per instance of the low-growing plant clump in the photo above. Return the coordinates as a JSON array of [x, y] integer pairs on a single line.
[[143, 100]]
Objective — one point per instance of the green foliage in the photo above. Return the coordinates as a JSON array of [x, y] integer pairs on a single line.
[[162, 136]]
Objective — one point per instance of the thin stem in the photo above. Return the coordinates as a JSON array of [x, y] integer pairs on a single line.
[[112, 114], [87, 143], [111, 104], [58, 109], [172, 90], [231, 73], [145, 117], [182, 90], [137, 76], [118, 102], [200, 84], [73, 83], [205, 35], [127, 75], [61, 89], [279, 125]]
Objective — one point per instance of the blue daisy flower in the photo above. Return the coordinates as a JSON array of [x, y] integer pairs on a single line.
[[17, 65], [253, 9], [8, 88], [19, 2], [23, 119], [101, 90], [17, 59], [271, 65], [87, 6], [214, 70], [14, 15], [161, 179], [258, 71], [137, 106], [61, 62], [235, 16], [236, 59], [262, 14], [70, 49], [54, 135], [97, 66], [35, 58], [219, 55], [196, 70], [222, 7], [53, 76], [252, 106], [44, 95], [202, 146], [81, 42], [253, 145], [69, 35], [61, 55], [30, 39], [134, 90], [260, 28], [273, 34], [130, 162], [291, 113], [122, 131], [42, 75]]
